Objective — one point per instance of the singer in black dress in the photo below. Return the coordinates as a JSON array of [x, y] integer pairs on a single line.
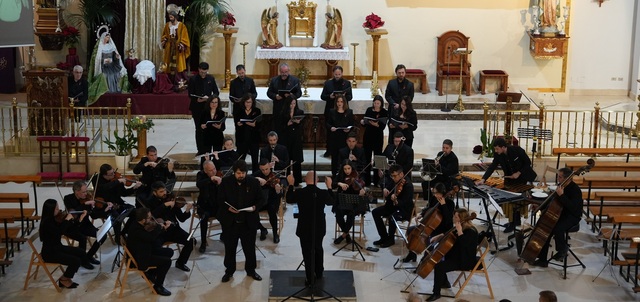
[[291, 136], [373, 137], [404, 120], [339, 117], [213, 133], [248, 132]]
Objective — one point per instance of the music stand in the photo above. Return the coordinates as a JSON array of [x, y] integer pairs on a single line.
[[471, 185], [119, 219], [429, 167], [194, 264], [380, 162], [100, 236], [356, 205]]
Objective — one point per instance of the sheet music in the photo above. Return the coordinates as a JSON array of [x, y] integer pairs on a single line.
[[104, 229]]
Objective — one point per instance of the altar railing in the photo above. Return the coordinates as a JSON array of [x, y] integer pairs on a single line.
[[20, 125], [565, 128]]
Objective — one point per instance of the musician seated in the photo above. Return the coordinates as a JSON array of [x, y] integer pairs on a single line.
[[154, 168], [352, 153], [143, 243], [398, 153], [347, 182], [207, 182], [461, 256], [271, 192], [276, 154], [444, 204], [446, 162], [570, 197], [225, 158], [80, 200], [167, 208], [398, 195]]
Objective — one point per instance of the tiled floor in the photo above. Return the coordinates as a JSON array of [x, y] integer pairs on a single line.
[[375, 279]]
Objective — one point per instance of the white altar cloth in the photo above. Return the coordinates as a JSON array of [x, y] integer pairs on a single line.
[[302, 53]]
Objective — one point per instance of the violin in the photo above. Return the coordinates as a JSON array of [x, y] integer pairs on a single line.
[[153, 224], [102, 204], [88, 197], [273, 180], [355, 182], [62, 215], [129, 180]]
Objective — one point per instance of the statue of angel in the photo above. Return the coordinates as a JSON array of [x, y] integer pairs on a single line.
[[269, 23], [333, 39]]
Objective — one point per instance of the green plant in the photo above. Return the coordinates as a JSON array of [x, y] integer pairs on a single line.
[[122, 145], [200, 15], [487, 146], [141, 122], [93, 13]]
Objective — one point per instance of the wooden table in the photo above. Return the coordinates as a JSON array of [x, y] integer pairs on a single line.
[[19, 179]]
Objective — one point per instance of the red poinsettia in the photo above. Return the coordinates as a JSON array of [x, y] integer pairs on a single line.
[[71, 36], [373, 21], [228, 19], [63, 66]]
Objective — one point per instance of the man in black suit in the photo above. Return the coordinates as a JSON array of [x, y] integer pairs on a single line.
[[271, 191], [201, 87], [79, 201], [275, 153], [398, 203], [312, 225], [516, 165], [78, 90], [169, 210], [239, 197], [152, 171], [146, 250], [331, 89], [240, 86], [207, 182], [447, 164], [398, 88], [281, 87], [352, 153], [398, 153]]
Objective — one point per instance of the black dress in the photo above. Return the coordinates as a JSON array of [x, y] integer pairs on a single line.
[[213, 137], [411, 119], [247, 137], [372, 142], [338, 138], [291, 137]]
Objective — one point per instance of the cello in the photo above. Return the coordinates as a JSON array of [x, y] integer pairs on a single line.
[[548, 219], [445, 244], [417, 239]]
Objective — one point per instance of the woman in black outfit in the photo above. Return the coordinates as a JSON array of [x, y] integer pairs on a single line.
[[347, 182], [406, 121], [373, 136], [339, 117], [248, 132], [52, 226], [213, 132], [291, 135]]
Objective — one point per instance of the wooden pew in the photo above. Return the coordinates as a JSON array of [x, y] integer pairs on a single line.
[[595, 151], [19, 179], [591, 182], [627, 219], [614, 202], [607, 166], [18, 211]]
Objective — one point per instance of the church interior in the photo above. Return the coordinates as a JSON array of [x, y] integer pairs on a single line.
[[559, 78]]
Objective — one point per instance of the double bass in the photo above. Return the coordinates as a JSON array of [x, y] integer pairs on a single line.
[[548, 219]]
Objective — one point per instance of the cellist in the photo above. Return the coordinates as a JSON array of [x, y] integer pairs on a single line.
[[461, 256], [570, 196], [446, 207]]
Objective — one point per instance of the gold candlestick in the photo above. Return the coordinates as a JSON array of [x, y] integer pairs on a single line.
[[374, 84], [244, 53], [355, 82], [461, 52]]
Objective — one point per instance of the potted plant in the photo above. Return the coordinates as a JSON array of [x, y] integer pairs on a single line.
[[372, 22], [201, 15], [71, 38], [487, 146], [141, 124], [122, 146], [227, 20]]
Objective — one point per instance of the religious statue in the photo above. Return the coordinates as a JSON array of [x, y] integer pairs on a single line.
[[107, 73], [549, 13], [333, 40], [269, 23], [130, 64], [175, 42]]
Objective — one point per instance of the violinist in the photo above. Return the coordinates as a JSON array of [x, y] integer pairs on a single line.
[[352, 153], [271, 192], [54, 223], [447, 163], [276, 154], [225, 158], [143, 242], [207, 182], [398, 195], [446, 207], [461, 256], [153, 171], [347, 182], [570, 196], [291, 135], [80, 200], [165, 207], [398, 153]]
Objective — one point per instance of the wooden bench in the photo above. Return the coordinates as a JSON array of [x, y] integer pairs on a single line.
[[19, 179], [594, 151], [611, 202], [3, 261], [591, 182], [19, 212], [607, 166]]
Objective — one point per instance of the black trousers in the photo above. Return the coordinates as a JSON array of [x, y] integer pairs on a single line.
[[313, 256], [345, 224], [161, 259], [176, 234], [195, 114], [368, 150], [204, 225], [70, 256], [440, 273], [247, 237], [559, 234], [249, 148], [384, 211], [272, 210]]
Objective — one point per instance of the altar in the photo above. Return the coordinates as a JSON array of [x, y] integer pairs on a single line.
[[274, 56]]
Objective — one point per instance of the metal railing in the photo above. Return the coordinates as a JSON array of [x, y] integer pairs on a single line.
[[565, 128], [20, 125]]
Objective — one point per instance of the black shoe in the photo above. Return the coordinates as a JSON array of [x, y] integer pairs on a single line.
[[509, 227], [541, 263], [388, 242], [226, 278], [348, 238], [87, 265], [326, 154], [379, 242], [94, 261], [255, 276], [202, 248], [410, 258], [559, 256], [338, 240], [182, 267], [73, 285], [263, 234], [160, 290], [446, 285], [276, 238], [434, 297]]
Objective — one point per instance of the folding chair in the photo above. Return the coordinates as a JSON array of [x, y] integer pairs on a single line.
[[36, 260], [131, 265], [480, 267]]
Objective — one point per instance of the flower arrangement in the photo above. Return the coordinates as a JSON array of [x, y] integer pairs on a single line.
[[71, 36], [141, 122], [227, 20], [373, 21], [63, 66]]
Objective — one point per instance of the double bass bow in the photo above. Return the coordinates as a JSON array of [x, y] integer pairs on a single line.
[[552, 208]]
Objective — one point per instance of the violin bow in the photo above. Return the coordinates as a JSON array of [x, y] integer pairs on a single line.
[[396, 186], [285, 168], [168, 151]]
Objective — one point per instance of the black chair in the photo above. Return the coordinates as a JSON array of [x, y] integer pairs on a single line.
[[564, 264]]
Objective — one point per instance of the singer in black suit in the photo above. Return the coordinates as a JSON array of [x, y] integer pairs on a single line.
[[239, 87], [398, 88], [282, 82], [201, 87], [312, 225]]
